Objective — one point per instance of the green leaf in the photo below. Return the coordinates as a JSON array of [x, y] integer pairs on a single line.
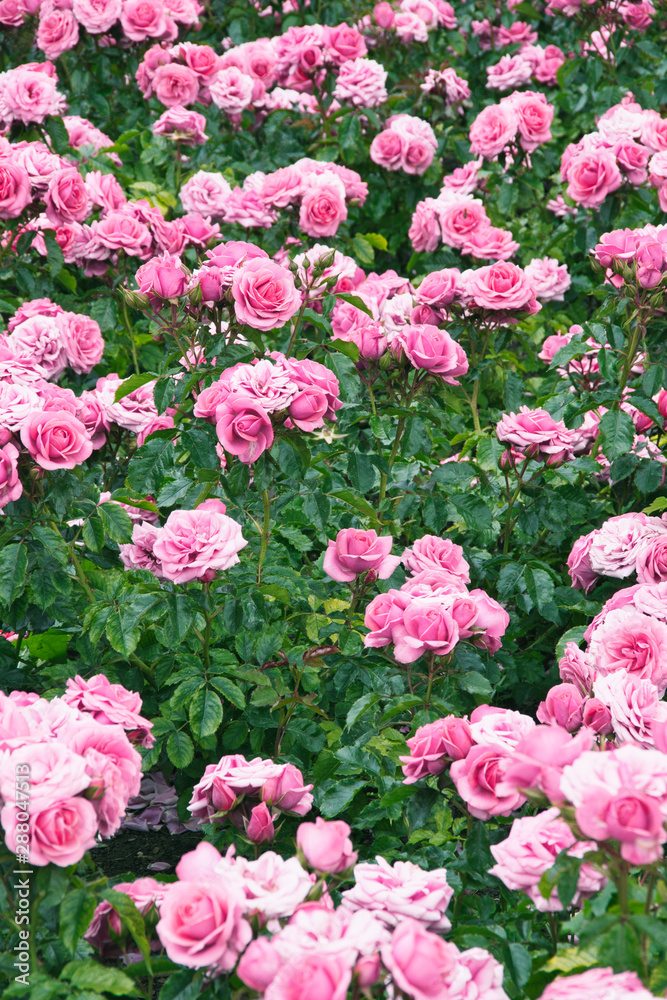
[[570, 959], [183, 985], [101, 978], [337, 798], [130, 384], [363, 250], [92, 533], [13, 567], [116, 522], [474, 683], [540, 586], [354, 300], [76, 912], [520, 963], [49, 645], [617, 432], [52, 542], [474, 511], [296, 538], [231, 691], [349, 349], [132, 920], [360, 472], [660, 503], [205, 713], [376, 240], [148, 464], [58, 135], [356, 502], [53, 252], [360, 706], [648, 476], [123, 635], [575, 635], [180, 750], [179, 617]]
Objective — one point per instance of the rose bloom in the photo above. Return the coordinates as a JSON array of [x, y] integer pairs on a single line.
[[535, 115], [56, 439], [616, 545], [536, 431], [634, 706], [243, 427], [500, 286], [58, 31], [110, 704], [591, 176], [550, 280], [362, 82], [11, 486], [422, 965], [142, 19], [440, 288], [205, 192], [232, 90], [479, 780], [326, 977], [356, 551], [326, 846], [67, 197], [582, 574], [460, 216], [509, 72], [651, 563], [97, 15], [15, 189], [388, 148], [162, 278], [597, 984], [424, 232], [323, 206], [120, 231], [493, 130], [29, 96], [82, 341], [564, 706], [433, 745], [201, 924], [195, 544], [394, 893], [39, 338], [180, 125], [432, 552], [264, 294], [531, 849], [175, 85], [501, 727], [60, 834], [576, 668]]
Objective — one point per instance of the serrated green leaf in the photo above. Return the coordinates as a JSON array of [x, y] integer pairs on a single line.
[[205, 713]]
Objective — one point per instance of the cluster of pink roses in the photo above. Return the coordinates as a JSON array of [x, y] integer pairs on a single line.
[[633, 256], [191, 545], [534, 434], [635, 14], [630, 145], [624, 544], [247, 398], [68, 768], [458, 220], [433, 611], [530, 62], [387, 929], [319, 192], [251, 794], [29, 93], [521, 120], [413, 20], [407, 143], [449, 84], [59, 24]]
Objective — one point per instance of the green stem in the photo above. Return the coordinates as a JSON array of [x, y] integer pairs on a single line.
[[207, 631], [177, 172], [148, 672], [81, 575], [295, 327], [473, 407], [128, 327], [637, 334], [265, 534], [621, 881]]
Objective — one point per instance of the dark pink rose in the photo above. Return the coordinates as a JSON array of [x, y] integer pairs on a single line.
[[162, 278], [564, 706], [60, 833], [356, 551], [479, 780], [243, 427], [323, 205], [57, 32], [433, 745], [15, 191], [264, 293], [67, 197], [260, 826], [432, 350], [591, 176]]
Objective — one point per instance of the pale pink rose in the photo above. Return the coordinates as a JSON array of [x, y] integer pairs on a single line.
[[651, 562], [67, 197], [120, 231], [323, 206], [259, 964], [232, 90], [440, 288], [424, 232], [104, 190], [479, 780], [56, 773], [201, 924], [531, 849], [433, 552], [56, 440], [409, 27], [11, 486], [135, 411], [175, 85], [597, 984], [326, 846], [500, 286], [355, 551], [138, 554], [501, 727], [433, 745], [40, 338], [273, 887], [591, 176], [326, 977], [142, 19], [29, 96], [616, 545], [286, 791], [564, 706], [388, 149], [493, 130], [535, 115], [549, 279], [243, 427], [15, 189], [395, 893], [460, 216], [205, 192], [58, 31], [12, 13], [195, 544], [362, 82], [264, 293], [539, 758], [180, 125], [422, 965], [537, 432], [509, 72], [490, 243], [82, 341], [110, 704], [582, 574], [97, 15], [383, 14], [634, 705], [60, 833], [654, 131], [576, 668]]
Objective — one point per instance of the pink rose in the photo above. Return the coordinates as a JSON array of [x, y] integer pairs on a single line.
[[232, 90], [120, 231], [575, 668], [591, 176], [29, 96], [582, 574], [355, 551], [652, 560], [205, 192], [479, 780], [286, 791], [15, 192], [431, 349], [308, 409], [383, 14], [634, 706], [440, 288], [202, 924], [311, 977], [326, 846], [11, 486], [418, 959], [56, 439], [598, 717], [428, 626], [490, 243], [596, 984], [174, 85], [433, 745], [424, 232], [343, 43], [433, 552], [58, 31], [383, 615], [537, 432], [394, 893], [243, 427], [550, 280], [259, 964], [81, 340], [264, 293], [110, 704], [535, 115], [630, 817], [323, 206], [67, 197], [493, 130], [509, 72], [362, 82], [564, 706], [195, 544], [142, 19], [539, 759], [162, 278], [387, 149], [460, 216], [500, 286], [492, 621], [60, 833], [260, 826], [180, 125], [97, 15]]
